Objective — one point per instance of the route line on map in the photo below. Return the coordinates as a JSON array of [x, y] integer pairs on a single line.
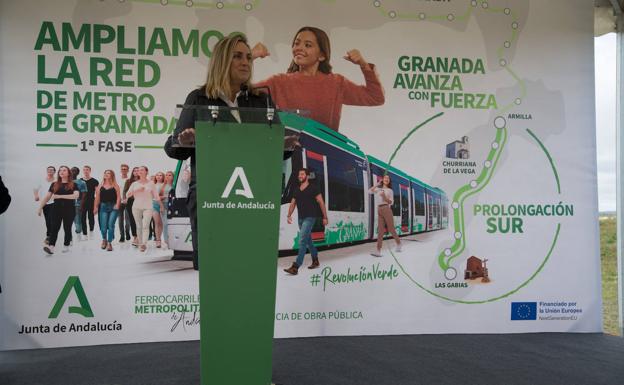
[[550, 159], [493, 299], [447, 255], [410, 134], [467, 191]]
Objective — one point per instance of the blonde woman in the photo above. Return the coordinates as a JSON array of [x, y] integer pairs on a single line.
[[143, 191], [384, 199], [107, 202], [229, 71]]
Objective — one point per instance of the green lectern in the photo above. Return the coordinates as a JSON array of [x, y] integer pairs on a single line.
[[239, 171]]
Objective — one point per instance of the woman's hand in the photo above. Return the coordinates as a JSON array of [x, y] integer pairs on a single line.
[[259, 51], [95, 210], [39, 211], [187, 137], [291, 141], [355, 57]]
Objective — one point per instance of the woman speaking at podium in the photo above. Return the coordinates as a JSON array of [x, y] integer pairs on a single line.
[[227, 85]]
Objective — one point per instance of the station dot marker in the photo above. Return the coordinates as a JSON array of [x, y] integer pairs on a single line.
[[248, 7], [189, 3], [162, 2], [485, 4], [495, 145], [507, 11], [450, 17], [377, 4], [121, 1], [220, 5], [392, 14], [487, 164], [455, 205], [473, 3], [473, 183], [518, 101], [514, 25], [458, 235], [422, 16], [450, 274], [502, 62], [447, 252], [500, 122], [507, 44]]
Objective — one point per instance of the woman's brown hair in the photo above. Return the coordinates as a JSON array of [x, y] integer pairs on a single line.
[[323, 42], [59, 181]]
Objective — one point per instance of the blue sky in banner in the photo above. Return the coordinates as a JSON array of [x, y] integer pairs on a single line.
[[605, 51]]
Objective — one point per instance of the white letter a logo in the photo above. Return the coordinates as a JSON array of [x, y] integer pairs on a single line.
[[238, 173]]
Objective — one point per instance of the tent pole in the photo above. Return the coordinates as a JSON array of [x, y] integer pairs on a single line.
[[620, 165]]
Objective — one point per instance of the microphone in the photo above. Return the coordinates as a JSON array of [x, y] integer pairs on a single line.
[[268, 92], [270, 109], [244, 89]]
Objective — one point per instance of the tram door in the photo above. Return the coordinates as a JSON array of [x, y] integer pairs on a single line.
[[375, 180], [405, 212], [419, 222], [445, 218], [435, 212], [317, 165], [429, 200], [439, 211]]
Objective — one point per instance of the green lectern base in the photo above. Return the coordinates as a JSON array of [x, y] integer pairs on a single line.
[[238, 203]]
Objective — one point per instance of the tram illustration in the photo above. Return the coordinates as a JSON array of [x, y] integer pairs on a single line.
[[343, 174]]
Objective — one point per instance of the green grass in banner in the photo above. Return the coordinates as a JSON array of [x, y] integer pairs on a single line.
[[608, 257]]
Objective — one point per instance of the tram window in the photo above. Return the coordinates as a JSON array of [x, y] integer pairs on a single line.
[[346, 185], [286, 172], [436, 205], [404, 200], [419, 200], [289, 179], [396, 190], [316, 177], [404, 207], [183, 181]]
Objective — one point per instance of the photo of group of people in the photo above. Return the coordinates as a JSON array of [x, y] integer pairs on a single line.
[[132, 204]]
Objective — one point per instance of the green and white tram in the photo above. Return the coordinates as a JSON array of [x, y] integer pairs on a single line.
[[343, 173]]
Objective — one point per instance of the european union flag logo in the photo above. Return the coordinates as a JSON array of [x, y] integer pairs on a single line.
[[523, 311]]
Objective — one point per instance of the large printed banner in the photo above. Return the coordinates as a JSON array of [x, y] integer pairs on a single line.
[[481, 112]]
